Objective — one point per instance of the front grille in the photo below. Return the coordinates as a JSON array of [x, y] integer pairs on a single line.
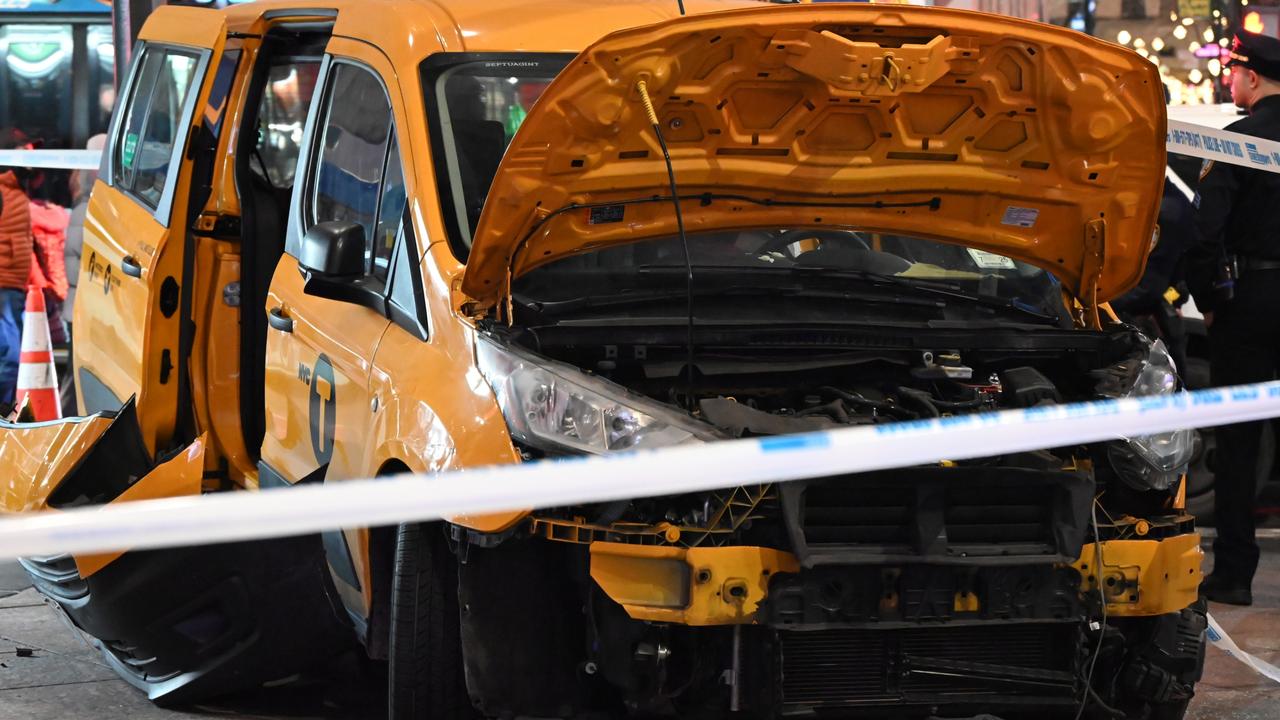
[[828, 669], [834, 667], [1005, 515], [939, 514], [849, 514]]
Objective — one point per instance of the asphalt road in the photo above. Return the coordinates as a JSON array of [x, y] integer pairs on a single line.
[[47, 671]]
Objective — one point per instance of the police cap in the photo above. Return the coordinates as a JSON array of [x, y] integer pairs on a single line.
[[1256, 52]]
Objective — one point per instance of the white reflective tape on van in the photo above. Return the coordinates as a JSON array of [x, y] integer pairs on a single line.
[[234, 516]]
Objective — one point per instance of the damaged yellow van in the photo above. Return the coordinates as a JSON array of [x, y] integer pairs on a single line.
[[348, 238]]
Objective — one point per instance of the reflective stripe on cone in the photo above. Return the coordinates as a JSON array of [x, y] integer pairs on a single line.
[[37, 380]]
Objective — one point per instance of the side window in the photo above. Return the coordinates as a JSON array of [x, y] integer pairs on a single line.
[[352, 150], [402, 284], [407, 305], [153, 122], [357, 175], [390, 213]]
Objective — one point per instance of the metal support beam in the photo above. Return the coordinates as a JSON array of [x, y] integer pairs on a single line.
[[127, 17]]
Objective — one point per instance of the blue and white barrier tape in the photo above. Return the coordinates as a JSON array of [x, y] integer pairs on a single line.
[[234, 516], [1207, 143], [1184, 138], [1219, 639], [52, 159]]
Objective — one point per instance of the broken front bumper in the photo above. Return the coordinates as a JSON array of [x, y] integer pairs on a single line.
[[180, 624], [755, 585]]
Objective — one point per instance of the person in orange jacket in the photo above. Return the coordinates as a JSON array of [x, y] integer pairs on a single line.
[[15, 267], [49, 224]]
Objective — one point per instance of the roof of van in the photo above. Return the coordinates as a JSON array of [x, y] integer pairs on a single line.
[[486, 25]]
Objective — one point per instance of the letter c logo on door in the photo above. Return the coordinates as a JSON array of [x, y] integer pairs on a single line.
[[323, 410]]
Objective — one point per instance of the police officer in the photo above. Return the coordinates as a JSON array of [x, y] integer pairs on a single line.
[[1234, 274]]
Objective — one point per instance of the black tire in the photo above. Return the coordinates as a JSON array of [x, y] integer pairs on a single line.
[[425, 677], [1200, 476]]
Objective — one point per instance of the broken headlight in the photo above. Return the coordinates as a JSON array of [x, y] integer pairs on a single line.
[[557, 407], [1153, 462]]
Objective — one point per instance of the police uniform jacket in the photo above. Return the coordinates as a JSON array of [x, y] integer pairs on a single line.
[[1239, 209]]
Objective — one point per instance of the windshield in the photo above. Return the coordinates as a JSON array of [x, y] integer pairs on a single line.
[[949, 281], [476, 107]]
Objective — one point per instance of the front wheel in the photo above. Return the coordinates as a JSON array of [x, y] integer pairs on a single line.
[[425, 677]]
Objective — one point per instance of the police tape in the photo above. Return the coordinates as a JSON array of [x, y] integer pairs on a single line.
[[52, 159], [456, 494], [1219, 639], [1184, 137], [1209, 143]]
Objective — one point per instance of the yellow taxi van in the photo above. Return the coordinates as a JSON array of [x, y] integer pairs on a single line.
[[341, 239]]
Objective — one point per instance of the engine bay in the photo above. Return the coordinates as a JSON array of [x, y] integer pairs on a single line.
[[753, 385]]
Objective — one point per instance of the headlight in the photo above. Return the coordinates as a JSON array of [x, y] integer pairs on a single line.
[[558, 407], [1153, 462]]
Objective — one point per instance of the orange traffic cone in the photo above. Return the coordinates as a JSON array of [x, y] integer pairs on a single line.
[[37, 381]]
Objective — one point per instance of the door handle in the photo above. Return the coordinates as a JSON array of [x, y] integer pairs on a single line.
[[280, 321], [131, 266]]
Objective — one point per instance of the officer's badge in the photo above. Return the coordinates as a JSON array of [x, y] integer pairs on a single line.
[[1205, 167]]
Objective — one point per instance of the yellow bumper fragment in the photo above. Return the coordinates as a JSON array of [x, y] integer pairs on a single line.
[[1144, 577], [179, 476], [689, 586], [97, 459], [36, 458]]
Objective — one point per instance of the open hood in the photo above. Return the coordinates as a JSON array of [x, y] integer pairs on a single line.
[[1015, 137]]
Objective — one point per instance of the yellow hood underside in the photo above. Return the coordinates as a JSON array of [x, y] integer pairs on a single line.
[[1019, 138]]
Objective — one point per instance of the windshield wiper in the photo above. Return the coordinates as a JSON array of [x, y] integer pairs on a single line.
[[953, 291], [942, 290], [596, 301]]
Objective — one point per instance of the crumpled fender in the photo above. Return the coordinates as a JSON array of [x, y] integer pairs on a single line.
[[99, 460], [71, 462], [180, 624]]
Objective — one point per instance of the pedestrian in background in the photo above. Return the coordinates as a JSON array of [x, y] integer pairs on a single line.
[[48, 269], [1234, 274], [15, 266], [81, 185]]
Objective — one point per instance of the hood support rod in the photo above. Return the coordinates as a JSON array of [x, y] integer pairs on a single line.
[[642, 88]]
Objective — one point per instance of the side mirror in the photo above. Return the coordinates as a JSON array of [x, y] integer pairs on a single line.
[[333, 249]]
